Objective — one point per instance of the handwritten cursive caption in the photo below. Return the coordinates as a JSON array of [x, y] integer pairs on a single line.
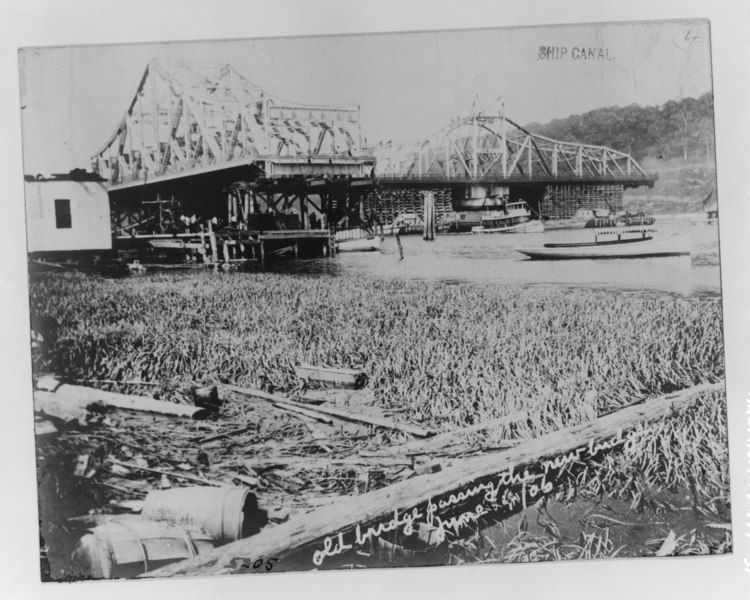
[[581, 53], [448, 515]]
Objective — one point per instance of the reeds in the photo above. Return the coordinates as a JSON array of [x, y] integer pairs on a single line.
[[445, 356], [438, 355]]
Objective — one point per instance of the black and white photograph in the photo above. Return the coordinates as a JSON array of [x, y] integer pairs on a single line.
[[359, 301]]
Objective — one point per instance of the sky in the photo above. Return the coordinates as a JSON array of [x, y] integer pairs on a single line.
[[408, 85]]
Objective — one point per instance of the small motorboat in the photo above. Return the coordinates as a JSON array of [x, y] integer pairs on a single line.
[[614, 243], [515, 218]]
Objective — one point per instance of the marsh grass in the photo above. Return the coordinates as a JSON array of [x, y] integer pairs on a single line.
[[438, 355], [445, 356]]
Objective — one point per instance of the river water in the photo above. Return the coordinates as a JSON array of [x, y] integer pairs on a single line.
[[493, 258]]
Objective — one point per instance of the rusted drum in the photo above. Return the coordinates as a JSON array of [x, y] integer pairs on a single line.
[[225, 514], [126, 549]]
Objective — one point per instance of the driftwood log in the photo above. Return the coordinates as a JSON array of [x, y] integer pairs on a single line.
[[307, 540], [58, 395]]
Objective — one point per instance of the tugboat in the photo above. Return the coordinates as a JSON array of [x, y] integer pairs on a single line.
[[514, 218]]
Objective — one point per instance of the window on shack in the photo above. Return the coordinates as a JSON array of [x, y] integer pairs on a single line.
[[62, 214]]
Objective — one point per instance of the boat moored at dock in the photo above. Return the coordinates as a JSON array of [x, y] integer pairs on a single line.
[[514, 218]]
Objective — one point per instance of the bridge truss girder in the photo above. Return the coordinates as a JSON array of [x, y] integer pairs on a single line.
[[186, 118], [482, 147]]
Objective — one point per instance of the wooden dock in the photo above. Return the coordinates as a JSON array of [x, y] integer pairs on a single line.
[[229, 245]]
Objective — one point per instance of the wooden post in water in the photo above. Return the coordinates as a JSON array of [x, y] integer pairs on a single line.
[[212, 241], [203, 245], [429, 216]]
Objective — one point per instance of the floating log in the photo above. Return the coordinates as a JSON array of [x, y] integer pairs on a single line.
[[307, 539], [79, 396], [334, 412], [347, 377]]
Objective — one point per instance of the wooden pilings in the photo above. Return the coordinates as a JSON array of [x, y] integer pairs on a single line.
[[390, 203], [429, 216], [561, 201], [212, 241]]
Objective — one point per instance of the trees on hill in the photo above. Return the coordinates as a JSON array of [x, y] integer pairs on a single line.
[[677, 129]]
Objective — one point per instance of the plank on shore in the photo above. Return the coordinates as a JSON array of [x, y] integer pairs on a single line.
[[305, 531]]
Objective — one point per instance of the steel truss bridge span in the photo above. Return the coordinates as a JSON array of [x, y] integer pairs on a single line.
[[190, 119], [486, 149]]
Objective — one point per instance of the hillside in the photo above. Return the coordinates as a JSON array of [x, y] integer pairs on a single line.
[[674, 140]]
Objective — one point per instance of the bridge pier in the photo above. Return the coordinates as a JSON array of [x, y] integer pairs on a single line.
[[561, 201]]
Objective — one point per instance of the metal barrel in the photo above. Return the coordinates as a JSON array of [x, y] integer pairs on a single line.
[[225, 514], [128, 548]]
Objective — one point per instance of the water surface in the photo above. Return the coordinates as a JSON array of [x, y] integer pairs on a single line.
[[493, 258]]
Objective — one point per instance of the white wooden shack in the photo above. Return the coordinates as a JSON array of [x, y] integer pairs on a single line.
[[67, 213]]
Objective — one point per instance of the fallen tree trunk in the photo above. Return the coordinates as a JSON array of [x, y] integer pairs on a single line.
[[57, 396], [307, 540]]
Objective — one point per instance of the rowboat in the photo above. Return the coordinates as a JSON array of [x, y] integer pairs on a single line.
[[167, 243], [615, 243], [368, 244], [356, 240], [515, 218]]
